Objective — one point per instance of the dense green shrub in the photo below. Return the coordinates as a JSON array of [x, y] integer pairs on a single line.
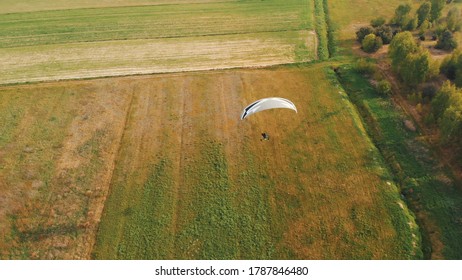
[[371, 43], [384, 87], [363, 32]]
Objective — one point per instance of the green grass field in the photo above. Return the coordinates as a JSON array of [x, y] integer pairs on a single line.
[[152, 22]]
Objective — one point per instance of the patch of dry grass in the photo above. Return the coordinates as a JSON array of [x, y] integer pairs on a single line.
[[317, 190]]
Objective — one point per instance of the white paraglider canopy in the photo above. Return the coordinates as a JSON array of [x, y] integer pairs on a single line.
[[267, 103]]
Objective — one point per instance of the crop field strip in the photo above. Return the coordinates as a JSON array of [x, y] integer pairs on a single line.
[[39, 46], [86, 60], [18, 6], [149, 22]]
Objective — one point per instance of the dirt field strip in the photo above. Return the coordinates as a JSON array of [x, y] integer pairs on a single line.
[[85, 60]]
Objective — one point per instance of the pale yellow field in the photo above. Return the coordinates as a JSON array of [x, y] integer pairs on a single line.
[[116, 58], [17, 6]]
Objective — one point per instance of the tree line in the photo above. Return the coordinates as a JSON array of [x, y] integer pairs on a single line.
[[414, 65]]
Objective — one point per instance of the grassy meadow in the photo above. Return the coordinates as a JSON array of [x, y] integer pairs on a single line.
[[348, 16]]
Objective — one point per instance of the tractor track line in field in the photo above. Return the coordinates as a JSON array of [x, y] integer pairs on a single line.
[[179, 167], [137, 38], [98, 214]]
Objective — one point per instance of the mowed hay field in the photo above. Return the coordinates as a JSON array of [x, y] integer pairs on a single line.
[[111, 41], [16, 6], [187, 178], [192, 181]]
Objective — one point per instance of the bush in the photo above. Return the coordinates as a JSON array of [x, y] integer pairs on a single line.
[[363, 32], [411, 24], [378, 22], [423, 12], [442, 99], [384, 87], [446, 41], [365, 67], [448, 67], [371, 43], [385, 33], [401, 17]]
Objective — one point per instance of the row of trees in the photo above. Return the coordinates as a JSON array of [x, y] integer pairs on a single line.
[[429, 11]]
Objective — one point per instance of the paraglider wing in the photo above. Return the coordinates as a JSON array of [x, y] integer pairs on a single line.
[[267, 103]]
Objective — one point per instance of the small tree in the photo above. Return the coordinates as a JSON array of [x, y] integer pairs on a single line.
[[441, 100], [451, 122], [371, 43], [365, 67], [415, 67], [411, 24], [385, 32], [423, 12], [446, 41], [402, 44], [447, 111], [363, 32], [401, 17], [436, 9], [448, 66], [453, 20]]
